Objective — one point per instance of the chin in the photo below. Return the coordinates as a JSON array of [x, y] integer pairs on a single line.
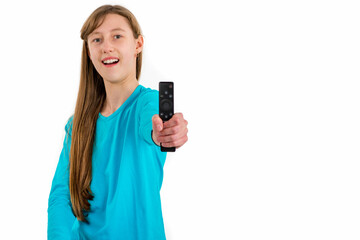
[[113, 79]]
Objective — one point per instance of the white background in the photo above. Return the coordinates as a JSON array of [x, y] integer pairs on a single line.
[[270, 90]]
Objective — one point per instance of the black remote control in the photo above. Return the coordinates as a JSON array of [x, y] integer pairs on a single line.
[[166, 105]]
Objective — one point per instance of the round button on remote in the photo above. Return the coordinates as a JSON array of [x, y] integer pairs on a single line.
[[166, 105]]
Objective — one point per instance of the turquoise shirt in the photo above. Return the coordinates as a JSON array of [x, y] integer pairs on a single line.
[[126, 177]]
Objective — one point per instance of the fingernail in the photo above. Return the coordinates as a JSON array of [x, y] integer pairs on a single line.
[[158, 127]]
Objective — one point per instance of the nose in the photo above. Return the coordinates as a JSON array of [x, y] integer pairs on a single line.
[[107, 47]]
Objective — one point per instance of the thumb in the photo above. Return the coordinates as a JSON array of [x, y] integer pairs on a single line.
[[157, 124]]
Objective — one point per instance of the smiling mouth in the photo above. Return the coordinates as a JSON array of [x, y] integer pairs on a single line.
[[110, 62]]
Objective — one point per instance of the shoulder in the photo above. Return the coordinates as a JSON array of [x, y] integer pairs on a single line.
[[148, 92], [69, 124], [147, 95]]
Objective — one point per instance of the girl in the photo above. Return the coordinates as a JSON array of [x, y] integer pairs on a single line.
[[108, 179]]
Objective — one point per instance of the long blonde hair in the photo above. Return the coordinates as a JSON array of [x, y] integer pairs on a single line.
[[90, 100]]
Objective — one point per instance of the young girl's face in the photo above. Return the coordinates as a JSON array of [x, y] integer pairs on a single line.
[[113, 49]]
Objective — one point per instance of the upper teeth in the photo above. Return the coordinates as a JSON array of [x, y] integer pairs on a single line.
[[110, 61]]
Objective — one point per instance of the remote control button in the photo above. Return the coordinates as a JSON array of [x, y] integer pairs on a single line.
[[170, 114], [166, 116], [161, 114], [165, 105], [170, 95], [166, 92]]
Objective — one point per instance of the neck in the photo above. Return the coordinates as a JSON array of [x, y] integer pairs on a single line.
[[117, 93]]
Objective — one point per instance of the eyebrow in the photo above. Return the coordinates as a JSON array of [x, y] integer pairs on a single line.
[[115, 29]]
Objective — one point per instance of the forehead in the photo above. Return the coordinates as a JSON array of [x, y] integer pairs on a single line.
[[111, 22]]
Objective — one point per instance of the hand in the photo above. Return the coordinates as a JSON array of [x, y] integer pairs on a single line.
[[172, 133]]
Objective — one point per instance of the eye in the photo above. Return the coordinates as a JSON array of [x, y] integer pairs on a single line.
[[96, 40], [117, 36]]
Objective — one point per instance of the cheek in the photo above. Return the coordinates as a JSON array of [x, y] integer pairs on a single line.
[[127, 51], [129, 57], [93, 58], [90, 53]]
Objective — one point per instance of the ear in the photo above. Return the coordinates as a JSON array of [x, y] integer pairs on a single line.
[[139, 44]]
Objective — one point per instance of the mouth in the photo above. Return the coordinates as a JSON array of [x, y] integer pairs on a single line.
[[110, 61]]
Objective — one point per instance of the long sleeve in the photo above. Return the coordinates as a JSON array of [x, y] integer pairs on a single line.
[[148, 106], [60, 216]]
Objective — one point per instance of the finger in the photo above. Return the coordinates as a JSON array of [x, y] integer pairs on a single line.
[[170, 130], [178, 143], [176, 119], [181, 141], [157, 124], [174, 129], [173, 137]]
